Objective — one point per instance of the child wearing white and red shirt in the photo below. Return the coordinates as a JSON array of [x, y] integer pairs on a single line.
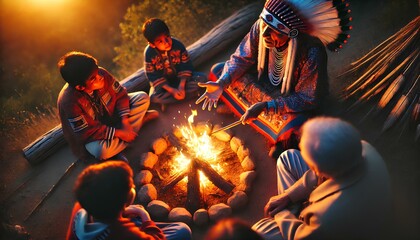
[[97, 114]]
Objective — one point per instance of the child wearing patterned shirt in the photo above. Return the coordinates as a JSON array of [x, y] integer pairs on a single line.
[[99, 118], [168, 65]]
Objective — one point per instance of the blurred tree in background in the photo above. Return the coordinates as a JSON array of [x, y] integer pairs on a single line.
[[188, 20]]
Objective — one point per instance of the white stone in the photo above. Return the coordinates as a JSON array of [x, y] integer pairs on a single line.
[[159, 146], [147, 193], [246, 179], [242, 152], [143, 177], [223, 136], [247, 164], [158, 210], [238, 200], [235, 142], [201, 217], [148, 160], [219, 211], [180, 214]]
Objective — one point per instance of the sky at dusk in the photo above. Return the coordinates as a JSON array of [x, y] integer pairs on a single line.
[[46, 29]]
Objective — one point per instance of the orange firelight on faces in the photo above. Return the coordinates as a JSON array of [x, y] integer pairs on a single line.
[[162, 42]]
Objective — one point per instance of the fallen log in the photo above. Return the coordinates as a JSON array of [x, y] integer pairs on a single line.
[[213, 43], [45, 145]]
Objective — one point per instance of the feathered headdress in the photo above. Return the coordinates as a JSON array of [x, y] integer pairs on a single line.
[[326, 20]]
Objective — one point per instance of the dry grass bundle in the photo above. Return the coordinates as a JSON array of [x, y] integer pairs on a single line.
[[388, 78]]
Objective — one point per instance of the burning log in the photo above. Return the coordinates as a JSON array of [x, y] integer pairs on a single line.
[[193, 155], [214, 42], [173, 180], [210, 173], [214, 177], [193, 188]]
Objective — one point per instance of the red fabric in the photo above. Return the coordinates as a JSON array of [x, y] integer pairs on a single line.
[[122, 228], [73, 104], [274, 133]]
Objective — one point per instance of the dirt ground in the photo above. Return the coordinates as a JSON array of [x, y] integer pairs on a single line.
[[374, 21]]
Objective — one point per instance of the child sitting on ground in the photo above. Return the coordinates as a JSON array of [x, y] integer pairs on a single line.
[[168, 65], [98, 116], [104, 194]]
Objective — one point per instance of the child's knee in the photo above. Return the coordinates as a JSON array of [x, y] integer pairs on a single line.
[[287, 157], [184, 231]]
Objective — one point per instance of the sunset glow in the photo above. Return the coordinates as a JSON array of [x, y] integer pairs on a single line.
[[46, 2]]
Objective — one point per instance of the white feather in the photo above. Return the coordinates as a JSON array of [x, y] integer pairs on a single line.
[[321, 17]]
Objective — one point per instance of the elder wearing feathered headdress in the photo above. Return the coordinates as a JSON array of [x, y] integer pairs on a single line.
[[280, 68]]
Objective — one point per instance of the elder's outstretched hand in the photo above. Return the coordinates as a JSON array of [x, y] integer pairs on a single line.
[[213, 92]]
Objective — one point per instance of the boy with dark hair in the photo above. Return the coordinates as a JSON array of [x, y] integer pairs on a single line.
[[105, 193], [98, 117], [168, 65]]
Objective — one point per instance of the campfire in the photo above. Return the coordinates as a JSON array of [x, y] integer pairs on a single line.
[[198, 161], [197, 169]]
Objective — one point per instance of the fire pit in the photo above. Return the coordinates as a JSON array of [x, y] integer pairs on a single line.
[[189, 167]]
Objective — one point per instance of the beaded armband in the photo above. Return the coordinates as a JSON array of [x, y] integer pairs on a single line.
[[225, 80], [272, 106]]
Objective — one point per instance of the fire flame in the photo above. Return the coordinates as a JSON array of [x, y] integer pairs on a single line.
[[200, 146], [191, 117]]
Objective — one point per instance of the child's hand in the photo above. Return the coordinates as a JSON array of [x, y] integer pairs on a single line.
[[181, 88], [127, 135], [136, 211], [181, 92], [173, 91], [126, 124], [178, 95]]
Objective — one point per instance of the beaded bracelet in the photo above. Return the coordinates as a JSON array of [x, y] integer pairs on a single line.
[[271, 105], [225, 80]]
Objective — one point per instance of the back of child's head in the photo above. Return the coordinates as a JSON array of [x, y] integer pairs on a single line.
[[154, 27], [231, 229], [76, 67], [103, 189]]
